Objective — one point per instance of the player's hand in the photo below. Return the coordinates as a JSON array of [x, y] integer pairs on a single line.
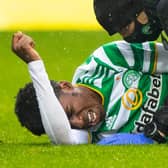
[[23, 47], [157, 129]]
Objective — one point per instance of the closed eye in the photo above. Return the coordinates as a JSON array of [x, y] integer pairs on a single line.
[[69, 112]]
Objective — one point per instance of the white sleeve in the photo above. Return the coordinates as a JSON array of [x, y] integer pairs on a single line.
[[54, 119], [162, 60]]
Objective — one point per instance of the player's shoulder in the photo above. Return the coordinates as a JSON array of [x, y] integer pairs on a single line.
[[109, 48], [123, 45], [112, 44]]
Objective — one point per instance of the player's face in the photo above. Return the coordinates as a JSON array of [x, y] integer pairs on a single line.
[[83, 109], [127, 30]]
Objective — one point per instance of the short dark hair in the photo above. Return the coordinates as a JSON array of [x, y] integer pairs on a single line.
[[27, 110]]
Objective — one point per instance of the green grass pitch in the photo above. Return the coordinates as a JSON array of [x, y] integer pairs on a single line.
[[61, 51]]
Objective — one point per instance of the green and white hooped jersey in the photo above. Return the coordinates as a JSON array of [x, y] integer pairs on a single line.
[[123, 74]]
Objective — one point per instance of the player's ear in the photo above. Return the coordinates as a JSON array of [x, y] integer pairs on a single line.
[[65, 85], [143, 18]]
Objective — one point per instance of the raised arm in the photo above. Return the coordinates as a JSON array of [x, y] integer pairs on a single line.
[[23, 47], [54, 119]]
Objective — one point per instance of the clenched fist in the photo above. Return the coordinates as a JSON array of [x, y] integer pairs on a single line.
[[23, 47]]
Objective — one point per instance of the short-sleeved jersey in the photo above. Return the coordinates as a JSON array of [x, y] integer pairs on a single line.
[[124, 76]]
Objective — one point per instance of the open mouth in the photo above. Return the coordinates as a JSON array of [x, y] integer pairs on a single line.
[[91, 117]]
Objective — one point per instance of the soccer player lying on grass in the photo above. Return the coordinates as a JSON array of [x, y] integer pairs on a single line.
[[114, 91]]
